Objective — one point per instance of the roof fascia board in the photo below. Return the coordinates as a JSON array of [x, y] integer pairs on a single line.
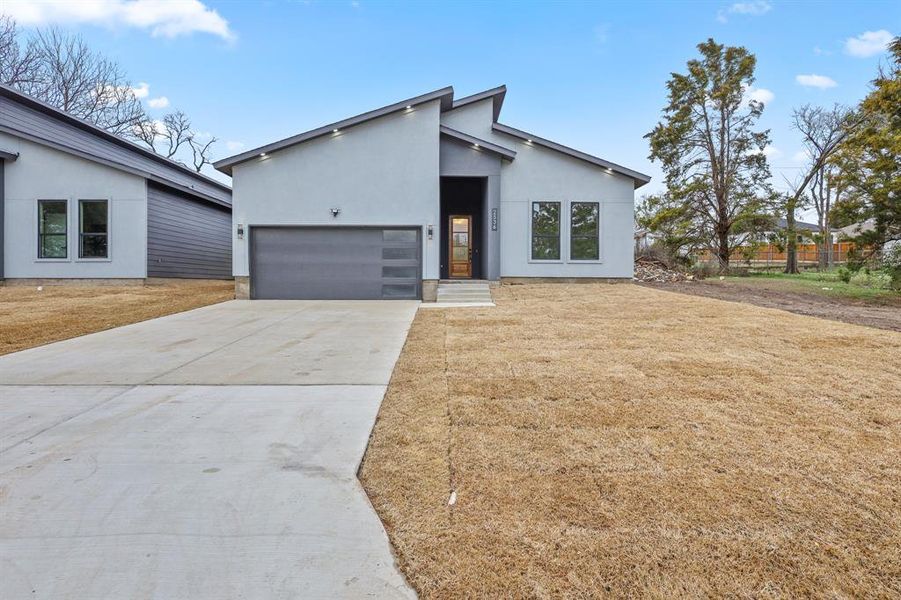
[[444, 95], [8, 156], [482, 144], [639, 178], [112, 165], [496, 94], [54, 112]]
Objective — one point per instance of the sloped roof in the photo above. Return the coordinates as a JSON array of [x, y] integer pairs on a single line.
[[782, 224], [29, 118], [444, 95], [639, 178], [496, 94], [477, 142]]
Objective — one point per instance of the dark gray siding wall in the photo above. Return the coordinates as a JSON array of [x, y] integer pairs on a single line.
[[186, 238], [18, 119]]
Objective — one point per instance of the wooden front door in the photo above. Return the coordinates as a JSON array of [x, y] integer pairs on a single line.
[[460, 252]]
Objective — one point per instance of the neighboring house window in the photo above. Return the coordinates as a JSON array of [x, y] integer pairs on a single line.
[[545, 231], [93, 229], [52, 231], [584, 231]]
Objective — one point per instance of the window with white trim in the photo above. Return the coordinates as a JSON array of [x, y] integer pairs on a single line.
[[584, 231], [545, 231]]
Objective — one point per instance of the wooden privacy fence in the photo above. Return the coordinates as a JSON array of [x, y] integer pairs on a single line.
[[772, 254]]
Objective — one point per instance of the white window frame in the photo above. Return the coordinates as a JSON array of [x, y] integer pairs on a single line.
[[561, 234], [109, 231]]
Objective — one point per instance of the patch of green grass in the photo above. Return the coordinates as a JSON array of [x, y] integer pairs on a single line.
[[825, 283]]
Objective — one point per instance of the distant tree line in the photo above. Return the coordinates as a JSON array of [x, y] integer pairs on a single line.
[[63, 71], [718, 193]]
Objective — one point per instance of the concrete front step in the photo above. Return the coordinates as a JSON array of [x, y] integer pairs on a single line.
[[464, 292]]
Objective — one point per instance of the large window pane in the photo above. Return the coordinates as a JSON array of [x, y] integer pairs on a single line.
[[52, 234], [545, 231], [93, 229], [584, 231]]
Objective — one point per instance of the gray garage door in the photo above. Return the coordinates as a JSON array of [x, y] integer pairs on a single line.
[[335, 263]]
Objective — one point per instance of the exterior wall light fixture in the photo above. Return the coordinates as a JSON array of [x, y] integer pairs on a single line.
[[430, 230], [335, 212]]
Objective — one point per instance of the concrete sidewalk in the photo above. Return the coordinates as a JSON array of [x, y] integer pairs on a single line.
[[182, 475]]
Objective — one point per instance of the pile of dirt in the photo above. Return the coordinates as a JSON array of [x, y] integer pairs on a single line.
[[651, 270]]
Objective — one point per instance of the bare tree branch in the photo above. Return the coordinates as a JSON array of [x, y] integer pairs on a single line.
[[201, 152]]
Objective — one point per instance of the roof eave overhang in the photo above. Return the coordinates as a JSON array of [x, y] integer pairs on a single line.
[[497, 96], [639, 179], [53, 112], [477, 143], [8, 156], [444, 96]]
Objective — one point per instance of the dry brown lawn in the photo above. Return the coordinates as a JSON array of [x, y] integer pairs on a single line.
[[614, 440], [29, 317]]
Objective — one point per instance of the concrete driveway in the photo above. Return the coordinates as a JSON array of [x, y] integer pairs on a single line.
[[208, 454]]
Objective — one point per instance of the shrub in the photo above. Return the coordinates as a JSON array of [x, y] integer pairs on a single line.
[[877, 280], [844, 274], [891, 263]]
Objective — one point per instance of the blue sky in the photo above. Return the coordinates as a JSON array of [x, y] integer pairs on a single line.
[[588, 75]]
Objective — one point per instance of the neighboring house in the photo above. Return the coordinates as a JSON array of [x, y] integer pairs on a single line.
[[384, 204], [855, 229], [77, 202]]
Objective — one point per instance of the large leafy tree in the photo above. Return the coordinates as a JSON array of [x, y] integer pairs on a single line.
[[870, 160], [710, 150]]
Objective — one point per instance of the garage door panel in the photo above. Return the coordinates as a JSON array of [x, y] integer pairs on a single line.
[[335, 263]]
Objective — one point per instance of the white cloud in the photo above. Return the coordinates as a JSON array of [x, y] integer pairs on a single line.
[[754, 8], [772, 152], [234, 146], [762, 95], [817, 81], [800, 156], [165, 18], [141, 91], [161, 102], [868, 43]]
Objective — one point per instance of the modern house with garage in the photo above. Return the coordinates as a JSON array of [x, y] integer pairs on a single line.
[[77, 202], [387, 203]]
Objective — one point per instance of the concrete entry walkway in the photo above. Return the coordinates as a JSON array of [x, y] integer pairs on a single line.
[[161, 460]]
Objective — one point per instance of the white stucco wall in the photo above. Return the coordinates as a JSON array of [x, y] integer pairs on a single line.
[[43, 173], [382, 172], [541, 174]]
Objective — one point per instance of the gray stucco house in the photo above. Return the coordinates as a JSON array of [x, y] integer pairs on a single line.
[[77, 202], [387, 203]]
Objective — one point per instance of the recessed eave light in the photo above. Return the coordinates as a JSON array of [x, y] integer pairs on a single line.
[[334, 131], [530, 141], [476, 146], [409, 107], [263, 155]]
